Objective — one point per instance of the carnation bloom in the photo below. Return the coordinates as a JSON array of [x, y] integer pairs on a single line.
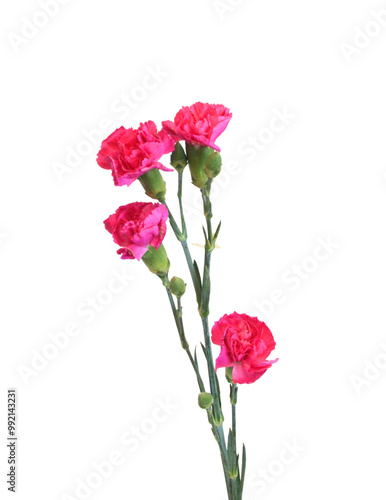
[[245, 344], [130, 153], [199, 124], [136, 226]]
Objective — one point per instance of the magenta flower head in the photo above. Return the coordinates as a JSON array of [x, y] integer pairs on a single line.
[[245, 344], [137, 226], [130, 153], [199, 124]]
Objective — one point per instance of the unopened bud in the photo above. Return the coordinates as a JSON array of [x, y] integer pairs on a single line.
[[178, 159], [205, 400], [177, 286], [213, 164]]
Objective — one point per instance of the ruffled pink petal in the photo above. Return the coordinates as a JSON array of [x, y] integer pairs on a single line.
[[138, 251], [111, 222], [125, 253], [218, 331], [171, 129], [220, 127], [224, 360], [160, 166], [241, 375]]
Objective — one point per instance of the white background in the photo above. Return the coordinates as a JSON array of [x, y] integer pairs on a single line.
[[321, 177]]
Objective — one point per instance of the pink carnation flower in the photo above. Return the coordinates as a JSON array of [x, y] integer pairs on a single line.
[[245, 344], [129, 153], [199, 124], [136, 226]]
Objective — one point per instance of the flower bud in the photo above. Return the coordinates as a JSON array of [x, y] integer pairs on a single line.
[[157, 260], [177, 286], [205, 400], [197, 156], [178, 159], [153, 184], [212, 165]]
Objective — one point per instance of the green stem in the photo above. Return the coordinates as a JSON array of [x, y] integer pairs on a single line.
[[179, 194], [204, 312], [182, 235], [215, 418], [218, 432], [177, 313], [235, 480]]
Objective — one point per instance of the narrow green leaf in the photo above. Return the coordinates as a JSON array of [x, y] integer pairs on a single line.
[[230, 448], [217, 232], [218, 387], [197, 284], [243, 468], [206, 236], [204, 309]]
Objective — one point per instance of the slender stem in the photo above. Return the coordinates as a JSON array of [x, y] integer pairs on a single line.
[[234, 422], [215, 418], [182, 235], [193, 273], [179, 194], [173, 222], [233, 459], [218, 432], [224, 459], [204, 307], [177, 313]]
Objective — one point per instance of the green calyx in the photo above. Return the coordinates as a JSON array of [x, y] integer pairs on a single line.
[[157, 260], [228, 374], [197, 157], [153, 184]]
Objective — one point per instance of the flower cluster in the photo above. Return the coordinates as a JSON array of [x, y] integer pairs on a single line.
[[139, 228]]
